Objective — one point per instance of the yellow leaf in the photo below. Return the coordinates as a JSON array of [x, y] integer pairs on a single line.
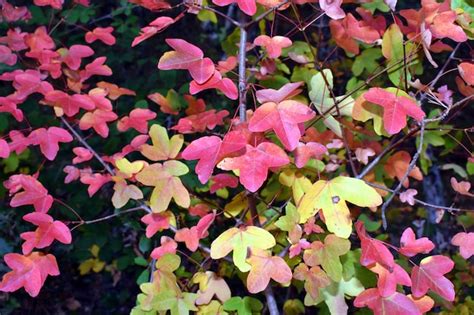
[[331, 196], [163, 147], [239, 240], [127, 168]]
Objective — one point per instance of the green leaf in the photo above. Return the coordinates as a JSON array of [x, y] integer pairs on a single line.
[[245, 306]]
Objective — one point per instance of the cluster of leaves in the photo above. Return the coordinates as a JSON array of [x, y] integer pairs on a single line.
[[277, 163]]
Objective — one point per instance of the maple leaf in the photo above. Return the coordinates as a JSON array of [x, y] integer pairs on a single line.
[[461, 187], [227, 65], [72, 57], [82, 155], [156, 222], [373, 250], [95, 181], [332, 8], [243, 306], [137, 119], [327, 255], [321, 86], [176, 303], [264, 267], [48, 140], [114, 91], [225, 85], [221, 181], [167, 185], [163, 147], [305, 151], [408, 196], [330, 197], [297, 181], [429, 275], [410, 246], [314, 279], [283, 118], [96, 67], [98, 120], [249, 7], [187, 57], [169, 104], [396, 304], [334, 295], [4, 149], [346, 31], [156, 26], [443, 26], [123, 193], [397, 166], [55, 4], [168, 246], [33, 193], [397, 106], [466, 70], [192, 236], [465, 241], [10, 105], [104, 34], [273, 45], [48, 230], [276, 96], [211, 150], [253, 166], [7, 57], [209, 285], [201, 121], [239, 240], [388, 280], [28, 271]]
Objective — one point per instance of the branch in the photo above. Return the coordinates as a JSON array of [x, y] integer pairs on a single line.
[[242, 77], [271, 302], [411, 166]]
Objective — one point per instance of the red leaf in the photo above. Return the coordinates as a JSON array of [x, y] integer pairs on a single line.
[[283, 118], [95, 181], [429, 275], [273, 45], [28, 271], [104, 34], [98, 120], [48, 230], [465, 241], [249, 7], [388, 280], [443, 26], [192, 236], [156, 222], [332, 8], [211, 150], [137, 119], [225, 85], [220, 181], [48, 140], [168, 246], [253, 166], [72, 57], [33, 193], [4, 149], [187, 57], [201, 121], [285, 92], [466, 70], [396, 304], [410, 246], [9, 105], [396, 109], [96, 67], [158, 25], [373, 251], [56, 4], [82, 155], [306, 151]]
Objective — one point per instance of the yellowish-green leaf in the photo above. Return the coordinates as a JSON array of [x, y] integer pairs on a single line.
[[331, 196], [239, 240], [163, 147]]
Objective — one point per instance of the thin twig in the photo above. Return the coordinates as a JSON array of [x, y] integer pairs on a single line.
[[242, 75], [271, 302]]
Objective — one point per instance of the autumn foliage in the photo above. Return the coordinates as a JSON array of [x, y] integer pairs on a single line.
[[316, 158]]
